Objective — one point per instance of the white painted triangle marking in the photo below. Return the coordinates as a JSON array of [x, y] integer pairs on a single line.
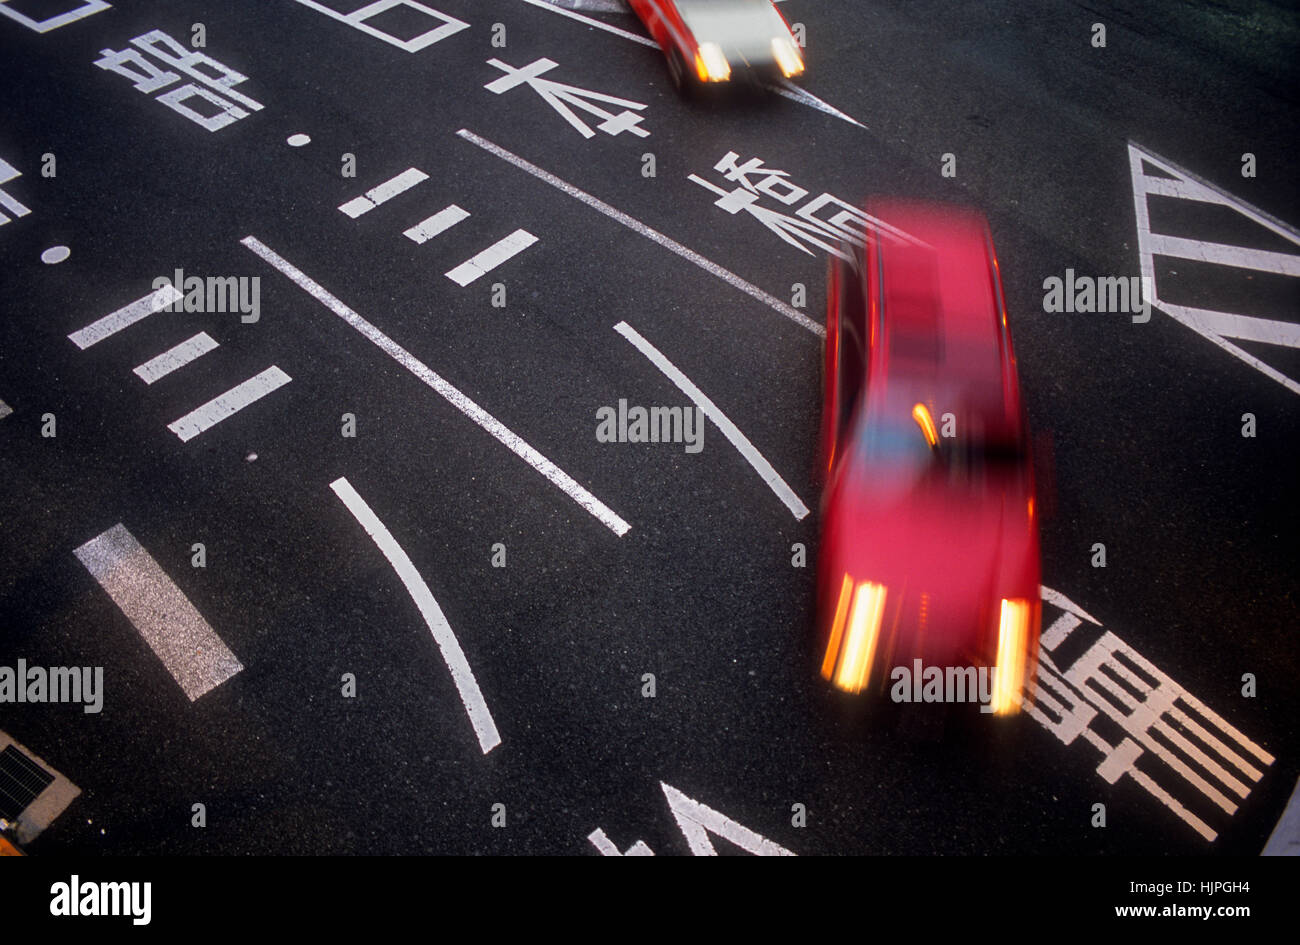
[[697, 822]]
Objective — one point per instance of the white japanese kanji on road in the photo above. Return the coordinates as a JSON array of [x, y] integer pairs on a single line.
[[1156, 177], [1195, 759], [825, 221], [565, 98]]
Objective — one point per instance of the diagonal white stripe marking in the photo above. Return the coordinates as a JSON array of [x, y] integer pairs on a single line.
[[490, 258], [448, 645], [441, 221], [590, 21], [637, 226], [384, 192], [124, 317], [177, 633], [729, 429], [491, 424], [174, 358], [226, 405]]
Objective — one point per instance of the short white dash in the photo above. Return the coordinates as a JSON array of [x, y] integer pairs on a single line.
[[493, 256], [176, 357], [124, 317], [384, 192], [796, 316], [469, 408], [443, 220], [729, 430], [452, 654], [228, 404], [177, 633], [5, 410]]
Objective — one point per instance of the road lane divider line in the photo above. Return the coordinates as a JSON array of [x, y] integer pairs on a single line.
[[224, 406], [591, 21], [384, 192], [483, 263], [430, 227], [175, 358], [452, 654], [125, 317], [710, 409], [447, 391], [160, 612], [649, 233]]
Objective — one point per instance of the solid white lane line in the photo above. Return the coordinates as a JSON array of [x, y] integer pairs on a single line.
[[177, 633], [590, 21], [228, 404], [729, 430], [490, 258], [428, 228], [452, 654], [491, 424], [124, 317], [384, 192], [177, 357], [637, 226]]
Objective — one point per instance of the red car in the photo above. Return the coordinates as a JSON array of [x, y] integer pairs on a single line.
[[929, 544], [706, 41]]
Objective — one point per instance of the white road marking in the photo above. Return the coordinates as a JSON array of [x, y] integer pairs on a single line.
[[638, 227], [177, 633], [564, 98], [87, 8], [698, 821], [729, 429], [5, 410], [228, 404], [490, 258], [7, 173], [591, 21], [607, 848], [124, 317], [493, 426], [384, 192], [177, 357], [428, 228], [794, 93], [448, 645], [357, 20], [1154, 716], [1217, 326], [55, 255], [298, 140]]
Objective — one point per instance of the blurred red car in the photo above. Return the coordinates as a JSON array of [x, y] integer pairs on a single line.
[[929, 544], [706, 41]]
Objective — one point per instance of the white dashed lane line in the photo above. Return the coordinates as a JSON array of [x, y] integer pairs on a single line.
[[490, 258], [452, 395], [384, 192], [177, 633], [441, 221], [228, 404]]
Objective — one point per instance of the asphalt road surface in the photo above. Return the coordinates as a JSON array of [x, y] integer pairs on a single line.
[[473, 626]]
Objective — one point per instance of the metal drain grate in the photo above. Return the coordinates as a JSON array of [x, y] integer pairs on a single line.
[[21, 780]]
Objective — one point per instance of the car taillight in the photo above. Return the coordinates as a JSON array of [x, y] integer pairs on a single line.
[[1012, 656], [855, 630]]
